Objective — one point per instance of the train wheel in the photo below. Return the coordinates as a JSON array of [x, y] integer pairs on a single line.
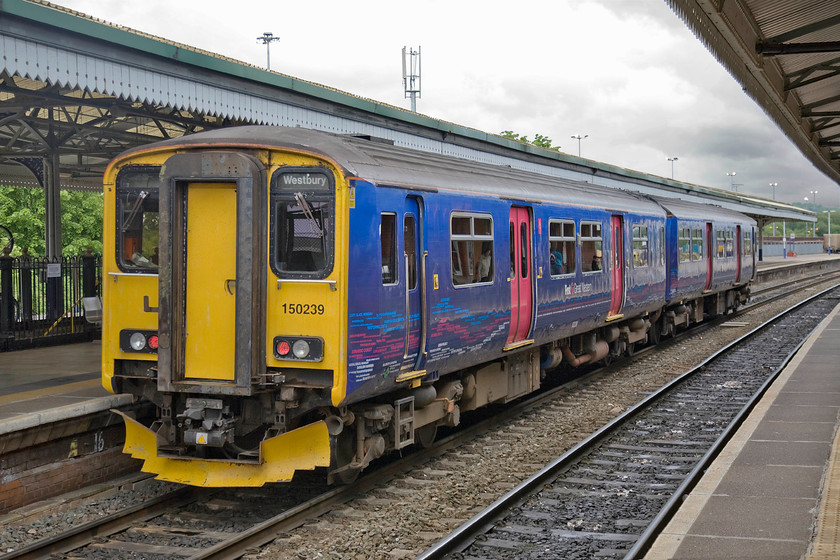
[[654, 334], [343, 454], [608, 359], [425, 436], [631, 349]]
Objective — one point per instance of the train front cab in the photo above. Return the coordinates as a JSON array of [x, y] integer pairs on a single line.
[[233, 326]]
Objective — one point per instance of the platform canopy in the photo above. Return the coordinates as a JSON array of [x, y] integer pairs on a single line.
[[76, 91], [786, 56]]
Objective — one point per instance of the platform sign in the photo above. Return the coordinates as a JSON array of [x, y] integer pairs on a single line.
[[54, 270]]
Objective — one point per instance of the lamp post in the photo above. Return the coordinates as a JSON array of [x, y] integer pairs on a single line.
[[731, 176], [815, 197], [672, 160], [829, 229], [773, 186], [267, 38], [579, 137]]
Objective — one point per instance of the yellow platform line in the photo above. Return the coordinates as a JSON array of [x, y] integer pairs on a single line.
[[49, 391]]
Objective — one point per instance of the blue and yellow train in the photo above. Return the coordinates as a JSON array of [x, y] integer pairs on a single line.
[[292, 299]]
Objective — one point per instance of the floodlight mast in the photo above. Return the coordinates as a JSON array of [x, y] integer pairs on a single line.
[[266, 39], [411, 75]]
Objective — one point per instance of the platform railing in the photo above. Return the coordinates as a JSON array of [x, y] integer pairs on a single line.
[[41, 299]]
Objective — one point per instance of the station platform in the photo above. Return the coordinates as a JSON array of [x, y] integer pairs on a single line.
[[774, 491], [795, 260], [45, 385]]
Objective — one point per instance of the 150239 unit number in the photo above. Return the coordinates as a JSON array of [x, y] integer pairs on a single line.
[[303, 309]]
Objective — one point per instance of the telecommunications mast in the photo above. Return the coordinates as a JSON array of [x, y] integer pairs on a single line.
[[411, 75]]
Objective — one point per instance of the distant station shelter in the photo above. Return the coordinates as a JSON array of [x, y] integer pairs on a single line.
[[76, 91]]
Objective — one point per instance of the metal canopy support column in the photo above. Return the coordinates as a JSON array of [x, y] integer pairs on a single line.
[[52, 192]]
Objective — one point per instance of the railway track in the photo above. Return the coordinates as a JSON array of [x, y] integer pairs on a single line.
[[610, 495], [204, 529]]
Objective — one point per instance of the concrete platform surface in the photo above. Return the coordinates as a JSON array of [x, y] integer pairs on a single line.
[[761, 497], [45, 385]]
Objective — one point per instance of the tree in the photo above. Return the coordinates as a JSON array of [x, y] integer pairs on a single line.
[[539, 140], [23, 211]]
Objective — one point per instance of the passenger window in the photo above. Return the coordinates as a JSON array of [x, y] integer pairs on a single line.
[[721, 243], [523, 250], [685, 244], [512, 252], [302, 231], [697, 244], [730, 243], [409, 230], [640, 246], [137, 221], [561, 247], [388, 242], [662, 245], [473, 256], [591, 246], [747, 247]]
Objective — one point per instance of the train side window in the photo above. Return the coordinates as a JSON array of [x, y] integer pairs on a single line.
[[591, 246], [685, 244], [561, 247], [302, 222], [662, 245], [137, 219], [409, 230], [747, 245], [512, 252], [473, 254], [640, 246], [697, 244], [730, 243], [388, 243], [721, 243]]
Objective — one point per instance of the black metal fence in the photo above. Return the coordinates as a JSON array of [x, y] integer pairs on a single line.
[[41, 300]]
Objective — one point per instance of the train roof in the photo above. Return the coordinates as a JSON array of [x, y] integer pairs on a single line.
[[694, 211], [380, 162]]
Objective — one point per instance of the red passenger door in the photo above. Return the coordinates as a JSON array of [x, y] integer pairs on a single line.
[[710, 250], [521, 282], [617, 266], [738, 248]]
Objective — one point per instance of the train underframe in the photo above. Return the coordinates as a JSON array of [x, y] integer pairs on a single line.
[[233, 428]]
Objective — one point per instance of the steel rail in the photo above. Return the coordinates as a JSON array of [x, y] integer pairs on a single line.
[[478, 524], [113, 523], [266, 531]]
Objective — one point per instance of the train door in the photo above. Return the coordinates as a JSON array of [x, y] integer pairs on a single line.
[[617, 265], [210, 256], [211, 287], [738, 248], [412, 269], [521, 277], [710, 246]]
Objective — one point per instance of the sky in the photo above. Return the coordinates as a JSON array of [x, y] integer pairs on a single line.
[[627, 73]]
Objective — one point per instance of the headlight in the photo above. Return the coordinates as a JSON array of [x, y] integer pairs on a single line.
[[137, 341], [300, 349]]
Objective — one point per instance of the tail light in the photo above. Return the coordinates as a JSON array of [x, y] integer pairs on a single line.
[[300, 348], [139, 341]]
